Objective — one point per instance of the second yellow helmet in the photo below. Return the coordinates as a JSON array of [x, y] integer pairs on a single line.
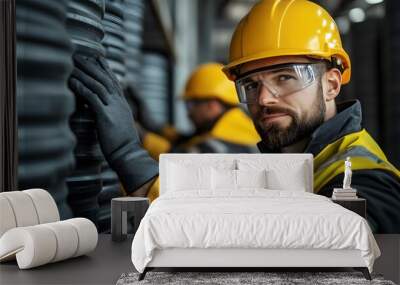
[[209, 82]]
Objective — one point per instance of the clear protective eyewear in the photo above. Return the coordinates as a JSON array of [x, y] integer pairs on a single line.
[[280, 80]]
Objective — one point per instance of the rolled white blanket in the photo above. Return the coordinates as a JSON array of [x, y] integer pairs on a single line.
[[40, 244]]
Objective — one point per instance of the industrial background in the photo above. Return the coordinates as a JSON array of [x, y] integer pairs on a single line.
[[152, 46]]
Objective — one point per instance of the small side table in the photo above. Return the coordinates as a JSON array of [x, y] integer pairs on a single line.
[[358, 205], [119, 213]]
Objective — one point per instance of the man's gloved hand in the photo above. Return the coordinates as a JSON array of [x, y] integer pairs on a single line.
[[93, 80]]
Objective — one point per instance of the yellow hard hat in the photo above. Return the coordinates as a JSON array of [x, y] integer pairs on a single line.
[[209, 82], [286, 27]]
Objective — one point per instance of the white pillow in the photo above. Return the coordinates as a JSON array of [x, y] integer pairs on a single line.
[[223, 179], [282, 174], [182, 177], [251, 178], [280, 180], [226, 179]]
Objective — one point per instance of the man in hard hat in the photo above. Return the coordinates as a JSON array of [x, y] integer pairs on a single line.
[[288, 64], [221, 126], [212, 105]]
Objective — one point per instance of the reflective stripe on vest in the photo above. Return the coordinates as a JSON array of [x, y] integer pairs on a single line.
[[363, 150]]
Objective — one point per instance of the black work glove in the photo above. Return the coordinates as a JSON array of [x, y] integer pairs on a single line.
[[93, 80]]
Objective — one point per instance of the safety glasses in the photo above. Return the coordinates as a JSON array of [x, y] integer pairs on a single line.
[[279, 80]]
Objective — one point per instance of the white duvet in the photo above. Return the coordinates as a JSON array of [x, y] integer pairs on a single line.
[[250, 219]]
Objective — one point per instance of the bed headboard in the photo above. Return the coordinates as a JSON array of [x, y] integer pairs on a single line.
[[271, 160]]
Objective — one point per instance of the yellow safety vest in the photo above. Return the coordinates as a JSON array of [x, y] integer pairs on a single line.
[[365, 154], [233, 127]]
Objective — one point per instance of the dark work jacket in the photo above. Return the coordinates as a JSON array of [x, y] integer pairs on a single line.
[[380, 188]]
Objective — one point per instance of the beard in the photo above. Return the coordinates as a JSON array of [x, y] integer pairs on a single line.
[[276, 137]]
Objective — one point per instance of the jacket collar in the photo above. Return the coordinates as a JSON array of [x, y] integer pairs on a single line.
[[347, 120]]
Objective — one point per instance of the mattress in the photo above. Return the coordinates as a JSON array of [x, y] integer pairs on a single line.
[[250, 219]]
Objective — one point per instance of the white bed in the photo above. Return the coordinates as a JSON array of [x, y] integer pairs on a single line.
[[202, 219]]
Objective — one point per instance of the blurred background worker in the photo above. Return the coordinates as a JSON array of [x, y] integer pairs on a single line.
[[221, 126], [288, 64]]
